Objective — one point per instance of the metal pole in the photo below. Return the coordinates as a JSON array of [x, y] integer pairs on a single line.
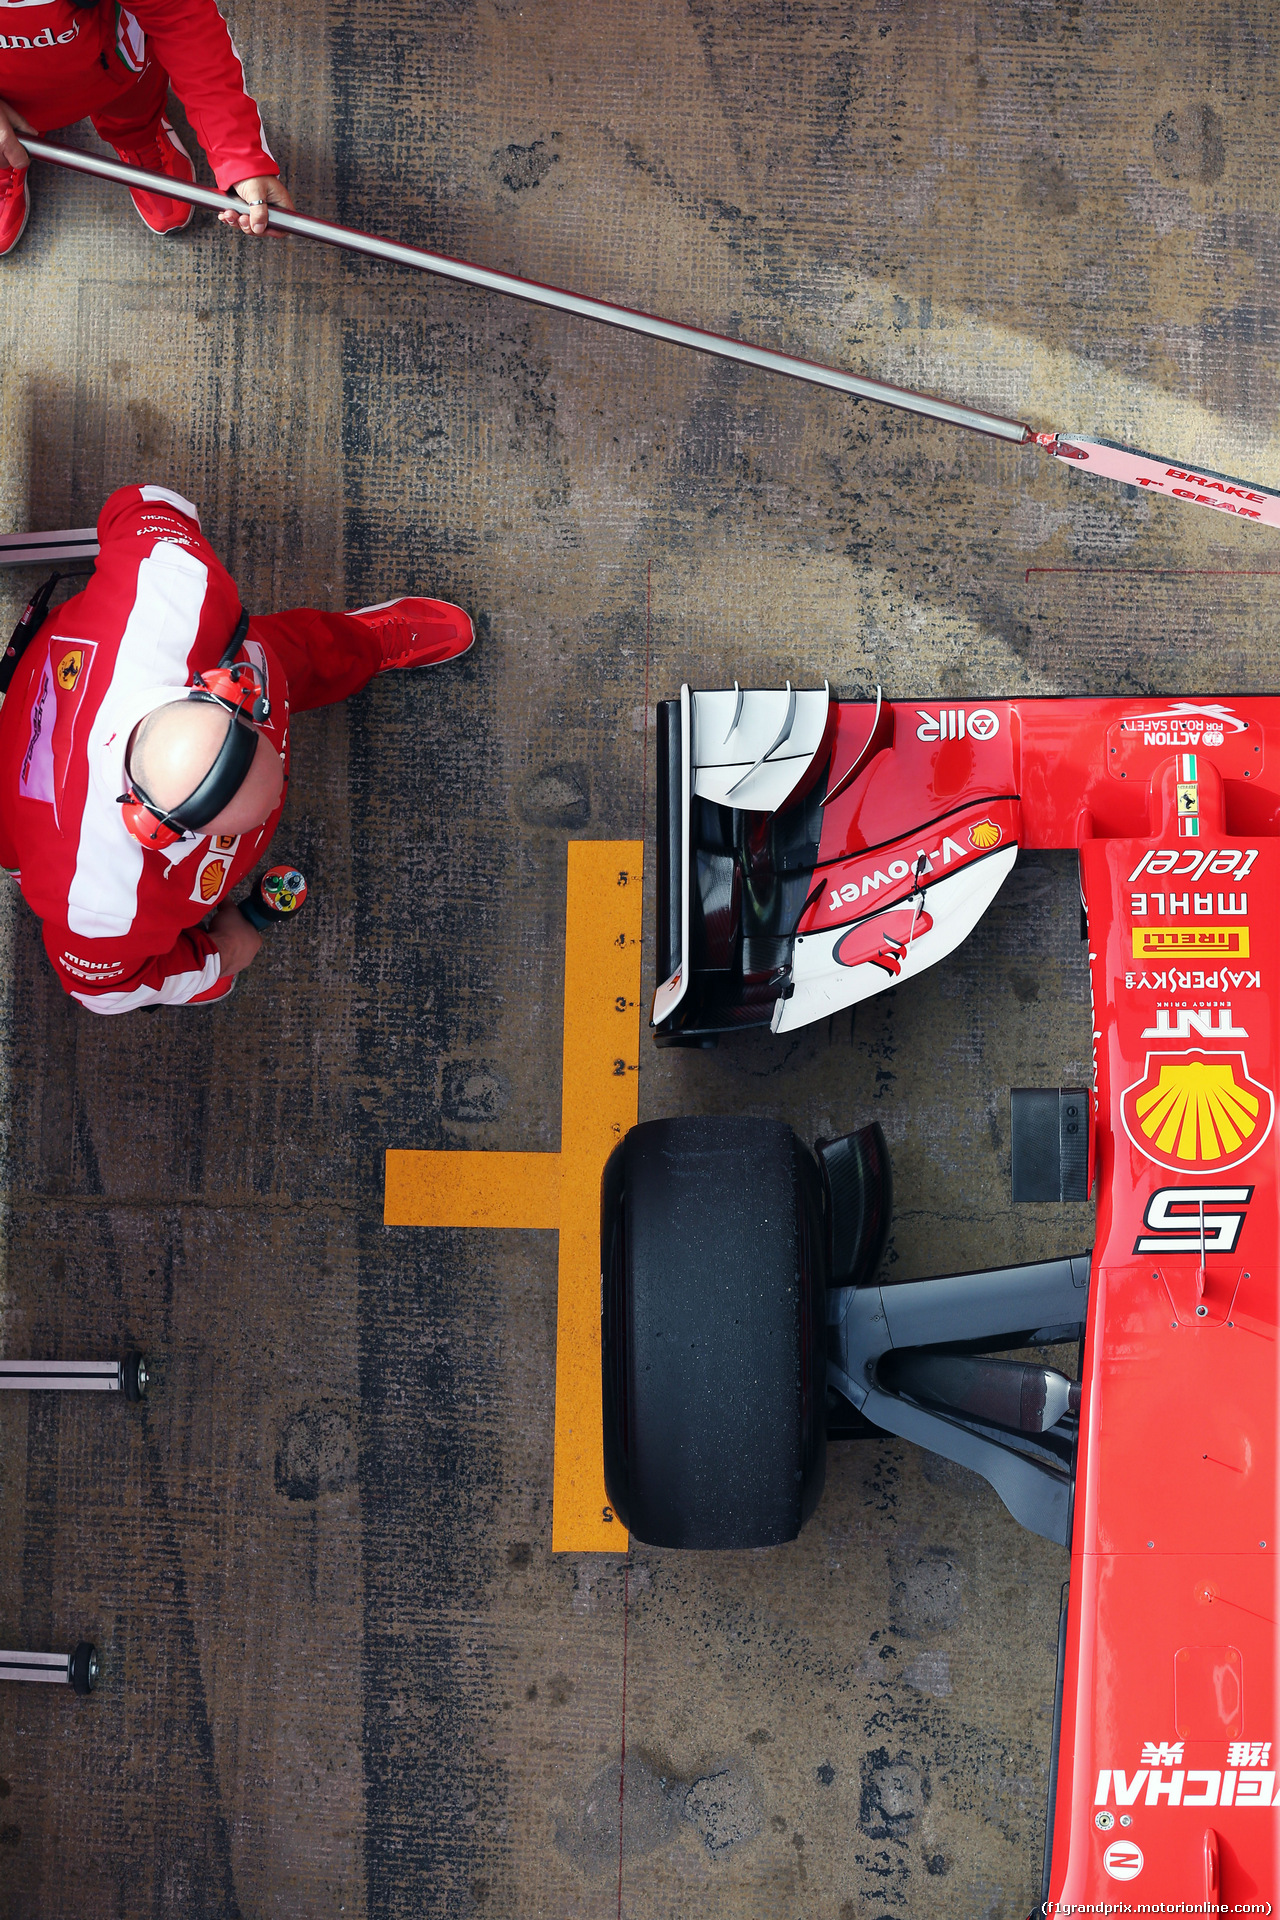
[[88, 1376], [33, 549], [78, 1669], [612, 316], [127, 1376]]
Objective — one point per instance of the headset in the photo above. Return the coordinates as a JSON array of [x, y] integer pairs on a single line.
[[239, 692]]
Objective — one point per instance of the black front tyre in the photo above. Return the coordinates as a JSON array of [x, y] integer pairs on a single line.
[[714, 1267]]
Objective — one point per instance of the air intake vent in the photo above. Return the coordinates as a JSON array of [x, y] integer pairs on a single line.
[[1050, 1143]]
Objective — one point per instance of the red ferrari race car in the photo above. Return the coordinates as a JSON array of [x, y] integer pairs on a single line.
[[812, 852]]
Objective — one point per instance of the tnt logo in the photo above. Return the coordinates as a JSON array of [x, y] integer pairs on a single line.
[[1180, 1023]]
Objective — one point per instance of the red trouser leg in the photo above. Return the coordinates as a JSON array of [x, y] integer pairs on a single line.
[[132, 117], [326, 656]]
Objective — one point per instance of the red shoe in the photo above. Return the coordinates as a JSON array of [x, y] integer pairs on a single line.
[[222, 986], [417, 633], [15, 206], [164, 154]]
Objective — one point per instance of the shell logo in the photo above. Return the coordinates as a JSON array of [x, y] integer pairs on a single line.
[[984, 835], [211, 878], [1197, 1111]]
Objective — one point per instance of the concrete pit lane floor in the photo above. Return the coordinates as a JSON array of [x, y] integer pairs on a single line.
[[343, 1672]]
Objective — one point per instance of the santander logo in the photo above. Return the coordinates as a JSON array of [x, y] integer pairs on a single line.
[[19, 43]]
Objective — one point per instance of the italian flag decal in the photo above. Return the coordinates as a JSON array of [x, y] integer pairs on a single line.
[[1188, 798]]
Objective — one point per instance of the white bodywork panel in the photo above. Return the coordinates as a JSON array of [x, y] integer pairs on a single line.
[[672, 991], [955, 905], [753, 746]]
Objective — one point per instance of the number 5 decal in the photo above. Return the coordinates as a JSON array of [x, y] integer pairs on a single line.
[[1185, 1219]]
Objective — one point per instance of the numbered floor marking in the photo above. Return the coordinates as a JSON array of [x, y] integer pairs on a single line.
[[599, 1101]]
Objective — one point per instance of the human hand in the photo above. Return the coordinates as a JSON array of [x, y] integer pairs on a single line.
[[237, 942], [260, 193], [12, 151]]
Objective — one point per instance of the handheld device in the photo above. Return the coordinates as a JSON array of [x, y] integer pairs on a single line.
[[278, 895]]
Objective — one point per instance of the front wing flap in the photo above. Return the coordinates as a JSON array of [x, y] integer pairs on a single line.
[[807, 861]]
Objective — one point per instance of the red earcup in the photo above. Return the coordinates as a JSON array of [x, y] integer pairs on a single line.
[[144, 826], [239, 686]]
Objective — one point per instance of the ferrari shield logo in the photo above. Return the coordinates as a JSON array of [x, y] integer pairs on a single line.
[[1197, 1112], [69, 668]]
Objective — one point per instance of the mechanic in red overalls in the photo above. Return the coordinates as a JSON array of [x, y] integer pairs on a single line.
[[63, 59], [144, 751]]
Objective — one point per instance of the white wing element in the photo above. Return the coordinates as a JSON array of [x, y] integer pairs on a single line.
[[746, 747], [751, 747], [672, 991], [954, 905]]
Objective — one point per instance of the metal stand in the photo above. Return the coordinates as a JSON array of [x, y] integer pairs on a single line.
[[127, 1376], [78, 1670], [33, 549]]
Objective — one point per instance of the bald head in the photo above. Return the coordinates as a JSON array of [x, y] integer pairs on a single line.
[[172, 749]]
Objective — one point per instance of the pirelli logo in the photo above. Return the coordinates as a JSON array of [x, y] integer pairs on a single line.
[[1223, 943]]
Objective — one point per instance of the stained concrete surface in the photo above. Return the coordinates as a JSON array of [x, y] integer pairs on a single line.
[[342, 1671]]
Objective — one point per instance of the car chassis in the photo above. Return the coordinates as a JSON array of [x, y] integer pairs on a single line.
[[812, 852]]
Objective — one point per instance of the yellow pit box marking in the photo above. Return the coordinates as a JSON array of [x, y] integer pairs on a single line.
[[599, 1101]]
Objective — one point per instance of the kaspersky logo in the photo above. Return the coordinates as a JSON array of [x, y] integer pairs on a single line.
[[1197, 1112]]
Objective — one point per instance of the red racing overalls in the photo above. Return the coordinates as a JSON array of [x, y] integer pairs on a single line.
[[58, 64], [121, 922]]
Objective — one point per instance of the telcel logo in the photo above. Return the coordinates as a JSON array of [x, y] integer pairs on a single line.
[[953, 723]]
